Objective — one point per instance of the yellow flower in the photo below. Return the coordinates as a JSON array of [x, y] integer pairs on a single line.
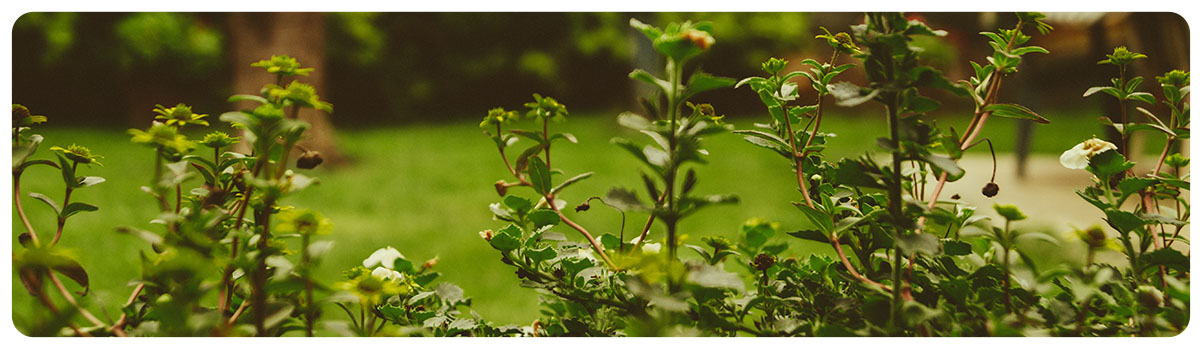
[[78, 154], [180, 115]]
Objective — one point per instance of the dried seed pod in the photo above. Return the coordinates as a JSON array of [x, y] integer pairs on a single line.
[[1095, 237], [763, 262], [501, 188], [310, 159], [1150, 298], [991, 189]]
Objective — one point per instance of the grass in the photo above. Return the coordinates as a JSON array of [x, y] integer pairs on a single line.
[[424, 189]]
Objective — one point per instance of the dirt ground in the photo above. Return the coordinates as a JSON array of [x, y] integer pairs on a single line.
[[1046, 194]]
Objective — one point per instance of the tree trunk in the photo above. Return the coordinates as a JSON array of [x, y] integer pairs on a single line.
[[257, 36]]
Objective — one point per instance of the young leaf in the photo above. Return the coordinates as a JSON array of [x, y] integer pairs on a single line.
[[75, 208], [539, 176], [48, 201], [1009, 110], [543, 217]]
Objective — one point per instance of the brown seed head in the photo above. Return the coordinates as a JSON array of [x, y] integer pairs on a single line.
[[310, 159], [991, 189]]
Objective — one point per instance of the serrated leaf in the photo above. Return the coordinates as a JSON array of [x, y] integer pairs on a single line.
[[449, 292], [921, 243], [822, 220], [543, 217], [701, 82], [505, 241], [623, 199], [953, 247]]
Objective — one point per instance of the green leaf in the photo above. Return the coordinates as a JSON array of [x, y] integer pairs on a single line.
[[1123, 221], [68, 172], [758, 235], [1169, 258], [505, 241], [403, 265], [1009, 212], [150, 237], [920, 243], [713, 277], [623, 199], [1108, 163], [1106, 89], [570, 182], [242, 97], [1028, 49], [819, 218], [953, 247], [518, 204], [543, 217], [1142, 97], [643, 76], [48, 201], [944, 164], [701, 82], [75, 208], [849, 95], [423, 280], [539, 176], [449, 292], [1009, 110], [766, 140], [1131, 185]]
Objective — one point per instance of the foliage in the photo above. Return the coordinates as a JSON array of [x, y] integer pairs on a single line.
[[906, 262]]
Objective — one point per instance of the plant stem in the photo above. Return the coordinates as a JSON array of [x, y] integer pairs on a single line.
[[118, 327], [676, 74], [308, 285], [62, 221], [66, 294], [895, 205], [21, 211]]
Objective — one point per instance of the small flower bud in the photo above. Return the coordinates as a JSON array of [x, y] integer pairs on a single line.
[[582, 207], [1150, 297], [763, 262], [1094, 237], [702, 39], [429, 264], [310, 159], [501, 188], [991, 189], [816, 177], [486, 235]]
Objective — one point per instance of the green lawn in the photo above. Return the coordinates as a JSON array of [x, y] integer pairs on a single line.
[[424, 189]]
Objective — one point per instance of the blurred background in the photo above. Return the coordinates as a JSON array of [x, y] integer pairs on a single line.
[[408, 166]]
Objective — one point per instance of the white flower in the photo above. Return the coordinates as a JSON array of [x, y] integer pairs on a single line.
[[384, 273], [1077, 157], [384, 256], [651, 248]]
